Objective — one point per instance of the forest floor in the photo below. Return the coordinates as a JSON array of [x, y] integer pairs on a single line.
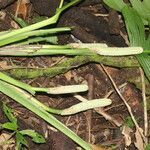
[[92, 22]]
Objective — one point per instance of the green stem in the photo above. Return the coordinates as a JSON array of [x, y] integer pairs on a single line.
[[35, 26], [146, 52], [28, 34], [24, 99], [61, 4], [38, 25], [38, 50], [17, 83], [24, 73]]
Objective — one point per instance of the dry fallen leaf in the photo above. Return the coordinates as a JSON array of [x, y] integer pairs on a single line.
[[21, 8], [68, 75], [139, 141], [126, 132], [4, 65], [2, 15], [3, 138], [98, 147]]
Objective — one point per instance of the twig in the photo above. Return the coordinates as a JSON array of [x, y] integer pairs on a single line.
[[145, 106], [125, 37], [127, 105], [104, 113], [58, 61], [90, 79], [107, 116], [101, 110], [101, 15]]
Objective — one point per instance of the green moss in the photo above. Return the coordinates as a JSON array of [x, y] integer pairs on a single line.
[[71, 63]]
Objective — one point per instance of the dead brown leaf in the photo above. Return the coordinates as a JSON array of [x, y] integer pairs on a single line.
[[139, 141], [98, 147], [4, 145], [68, 75], [4, 65], [126, 132]]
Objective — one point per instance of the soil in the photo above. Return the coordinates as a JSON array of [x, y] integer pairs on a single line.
[[92, 22]]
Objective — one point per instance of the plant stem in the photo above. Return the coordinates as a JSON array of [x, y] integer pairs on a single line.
[[38, 25], [28, 34], [17, 83], [24, 73], [23, 98], [61, 4]]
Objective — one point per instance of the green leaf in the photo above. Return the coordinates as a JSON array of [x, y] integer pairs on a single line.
[[144, 61], [20, 84], [20, 21], [52, 39], [20, 34], [24, 99], [146, 4], [136, 33], [37, 138], [9, 113], [85, 105], [135, 26], [35, 33], [129, 122], [10, 126], [147, 147], [141, 9], [115, 4], [20, 141]]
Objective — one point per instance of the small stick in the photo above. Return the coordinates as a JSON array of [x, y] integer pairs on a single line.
[[101, 111], [104, 113], [145, 106], [88, 114], [127, 105]]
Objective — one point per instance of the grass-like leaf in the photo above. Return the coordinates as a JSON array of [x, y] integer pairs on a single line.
[[10, 126], [142, 9], [133, 17], [20, 141], [115, 4], [137, 37], [9, 114], [135, 26], [37, 138], [33, 34], [20, 96], [20, 34]]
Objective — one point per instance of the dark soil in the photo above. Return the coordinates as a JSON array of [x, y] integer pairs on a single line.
[[92, 21]]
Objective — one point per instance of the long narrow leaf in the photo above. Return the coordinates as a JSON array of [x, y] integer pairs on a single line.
[[36, 50], [135, 26], [115, 4], [38, 25], [35, 33], [141, 9], [18, 95], [144, 60], [136, 32], [82, 106], [146, 3], [17, 83]]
